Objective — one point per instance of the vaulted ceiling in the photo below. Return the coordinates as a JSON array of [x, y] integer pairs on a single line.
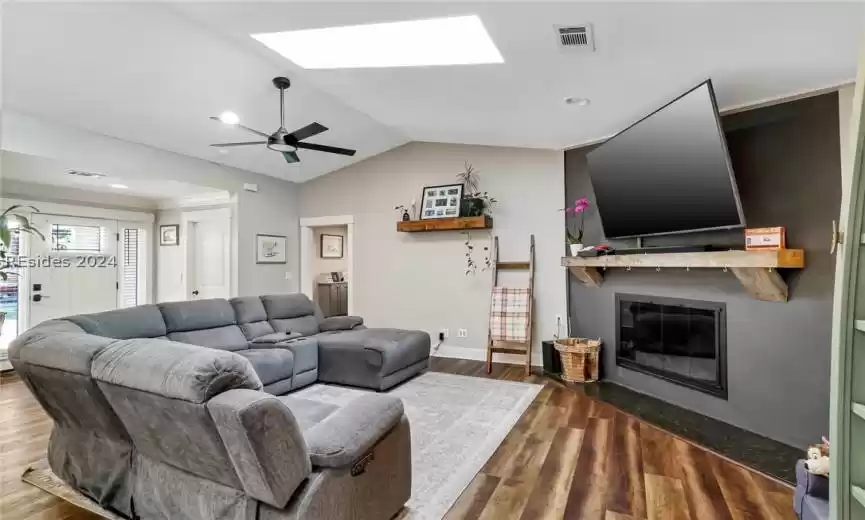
[[153, 73]]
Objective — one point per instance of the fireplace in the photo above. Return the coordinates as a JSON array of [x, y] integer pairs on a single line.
[[681, 341]]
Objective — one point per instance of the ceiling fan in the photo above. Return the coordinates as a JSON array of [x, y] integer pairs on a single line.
[[282, 141]]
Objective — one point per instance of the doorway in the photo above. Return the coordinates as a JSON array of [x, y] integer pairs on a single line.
[[206, 243], [326, 263]]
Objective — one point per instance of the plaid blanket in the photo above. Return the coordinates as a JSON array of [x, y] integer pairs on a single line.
[[509, 314]]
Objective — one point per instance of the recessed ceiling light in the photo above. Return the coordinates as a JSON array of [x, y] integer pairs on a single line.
[[460, 40], [576, 101], [119, 186], [229, 118]]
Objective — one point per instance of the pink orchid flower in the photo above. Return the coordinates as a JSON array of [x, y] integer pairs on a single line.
[[581, 205]]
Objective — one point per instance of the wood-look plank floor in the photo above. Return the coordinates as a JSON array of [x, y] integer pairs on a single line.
[[568, 457], [573, 457]]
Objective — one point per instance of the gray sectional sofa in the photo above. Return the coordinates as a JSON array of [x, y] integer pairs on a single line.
[[182, 410]]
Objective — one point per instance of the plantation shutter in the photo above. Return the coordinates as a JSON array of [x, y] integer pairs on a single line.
[[131, 251]]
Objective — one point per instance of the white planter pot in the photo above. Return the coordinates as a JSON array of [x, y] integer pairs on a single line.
[[575, 248]]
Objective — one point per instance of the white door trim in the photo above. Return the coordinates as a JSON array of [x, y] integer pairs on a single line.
[[307, 249], [188, 217]]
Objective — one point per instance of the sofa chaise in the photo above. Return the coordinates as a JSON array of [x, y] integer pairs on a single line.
[[182, 410]]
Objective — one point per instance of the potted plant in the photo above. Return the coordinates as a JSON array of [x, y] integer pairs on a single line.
[[474, 202], [404, 210], [575, 238], [10, 223]]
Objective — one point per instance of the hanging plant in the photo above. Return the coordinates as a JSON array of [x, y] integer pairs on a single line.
[[471, 266]]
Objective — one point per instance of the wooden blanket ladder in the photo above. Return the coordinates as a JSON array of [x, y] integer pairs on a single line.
[[513, 347]]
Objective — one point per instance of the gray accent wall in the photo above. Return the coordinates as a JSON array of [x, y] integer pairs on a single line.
[[787, 164]]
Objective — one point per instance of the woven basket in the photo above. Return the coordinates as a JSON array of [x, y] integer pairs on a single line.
[[580, 359]]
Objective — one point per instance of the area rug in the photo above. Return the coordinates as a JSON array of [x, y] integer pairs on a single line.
[[41, 476], [457, 422]]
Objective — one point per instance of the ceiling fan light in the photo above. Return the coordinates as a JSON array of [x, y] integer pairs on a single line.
[[229, 118]]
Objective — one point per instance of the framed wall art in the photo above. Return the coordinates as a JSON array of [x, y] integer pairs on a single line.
[[441, 201], [331, 246], [169, 235], [270, 249]]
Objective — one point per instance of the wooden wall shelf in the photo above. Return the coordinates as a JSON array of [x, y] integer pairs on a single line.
[[756, 270], [445, 224]]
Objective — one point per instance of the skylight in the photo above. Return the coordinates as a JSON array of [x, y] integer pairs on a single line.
[[461, 40]]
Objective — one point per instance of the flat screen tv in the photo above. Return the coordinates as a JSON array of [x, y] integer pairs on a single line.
[[668, 172]]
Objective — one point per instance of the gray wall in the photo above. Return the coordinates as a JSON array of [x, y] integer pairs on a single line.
[[787, 165], [418, 280]]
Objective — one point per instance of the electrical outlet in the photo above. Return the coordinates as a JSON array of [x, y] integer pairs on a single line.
[[463, 333], [446, 332]]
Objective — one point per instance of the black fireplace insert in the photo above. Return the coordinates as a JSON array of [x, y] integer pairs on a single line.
[[681, 341]]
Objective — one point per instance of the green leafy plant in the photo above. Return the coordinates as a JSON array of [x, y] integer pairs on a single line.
[[470, 178], [11, 223]]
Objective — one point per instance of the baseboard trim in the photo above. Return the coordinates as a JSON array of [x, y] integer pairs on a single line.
[[476, 354]]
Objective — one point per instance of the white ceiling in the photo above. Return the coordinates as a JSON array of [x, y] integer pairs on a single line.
[[41, 170], [153, 73]]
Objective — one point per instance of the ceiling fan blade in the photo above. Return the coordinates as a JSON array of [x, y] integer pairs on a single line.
[[291, 157], [256, 132], [302, 133], [325, 148], [220, 145]]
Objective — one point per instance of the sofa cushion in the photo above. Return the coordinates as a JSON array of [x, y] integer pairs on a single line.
[[251, 316], [248, 309], [271, 364], [280, 306], [389, 349], [172, 370], [222, 338], [144, 321], [348, 434], [197, 315], [308, 413]]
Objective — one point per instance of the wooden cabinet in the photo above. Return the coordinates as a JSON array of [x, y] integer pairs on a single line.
[[333, 298]]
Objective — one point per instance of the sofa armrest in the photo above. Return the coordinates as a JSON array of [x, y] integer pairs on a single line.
[[340, 323], [275, 337], [347, 435], [813, 485]]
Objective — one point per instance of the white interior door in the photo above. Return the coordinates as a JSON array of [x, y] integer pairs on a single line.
[[74, 270], [208, 253]]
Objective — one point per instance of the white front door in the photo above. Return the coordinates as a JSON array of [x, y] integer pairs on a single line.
[[74, 270], [208, 253]]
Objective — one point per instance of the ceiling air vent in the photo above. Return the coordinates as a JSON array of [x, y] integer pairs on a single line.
[[80, 173], [575, 36]]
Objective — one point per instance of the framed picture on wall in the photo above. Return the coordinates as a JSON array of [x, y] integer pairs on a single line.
[[169, 235], [331, 246], [270, 249], [441, 201]]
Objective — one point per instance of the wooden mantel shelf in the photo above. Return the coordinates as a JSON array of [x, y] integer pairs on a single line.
[[756, 270], [445, 224]]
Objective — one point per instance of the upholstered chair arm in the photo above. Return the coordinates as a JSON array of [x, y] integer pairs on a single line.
[[345, 437], [264, 442]]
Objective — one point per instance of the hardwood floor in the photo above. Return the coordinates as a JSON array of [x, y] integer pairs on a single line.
[[573, 457], [568, 457]]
